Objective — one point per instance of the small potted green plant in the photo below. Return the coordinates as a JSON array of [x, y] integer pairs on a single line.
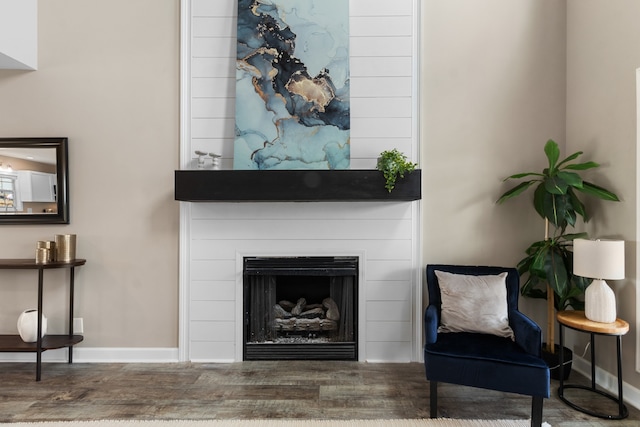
[[394, 164]]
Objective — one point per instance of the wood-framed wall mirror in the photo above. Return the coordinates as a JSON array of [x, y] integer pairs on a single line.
[[34, 181]]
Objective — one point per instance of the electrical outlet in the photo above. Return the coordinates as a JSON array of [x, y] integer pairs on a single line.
[[78, 325]]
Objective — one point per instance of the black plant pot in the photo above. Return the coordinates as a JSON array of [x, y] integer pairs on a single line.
[[553, 361]]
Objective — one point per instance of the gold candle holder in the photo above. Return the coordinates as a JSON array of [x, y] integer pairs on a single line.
[[65, 247], [42, 255], [50, 248]]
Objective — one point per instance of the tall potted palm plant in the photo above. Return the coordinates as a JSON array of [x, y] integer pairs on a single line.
[[548, 264]]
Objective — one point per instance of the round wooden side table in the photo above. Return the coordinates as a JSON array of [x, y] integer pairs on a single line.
[[576, 320]]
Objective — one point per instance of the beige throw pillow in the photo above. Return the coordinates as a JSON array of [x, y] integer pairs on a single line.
[[474, 304]]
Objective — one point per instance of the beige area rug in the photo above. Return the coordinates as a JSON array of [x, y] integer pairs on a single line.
[[441, 422]]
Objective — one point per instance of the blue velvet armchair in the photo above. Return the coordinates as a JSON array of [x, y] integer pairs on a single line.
[[485, 360]]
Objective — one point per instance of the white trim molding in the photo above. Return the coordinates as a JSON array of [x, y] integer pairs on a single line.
[[99, 355], [637, 325], [185, 211]]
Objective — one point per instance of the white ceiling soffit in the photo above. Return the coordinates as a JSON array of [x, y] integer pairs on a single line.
[[19, 34]]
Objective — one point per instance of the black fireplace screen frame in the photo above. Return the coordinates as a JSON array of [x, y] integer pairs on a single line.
[[259, 282]]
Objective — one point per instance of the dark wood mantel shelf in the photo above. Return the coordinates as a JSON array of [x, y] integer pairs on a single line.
[[293, 186]]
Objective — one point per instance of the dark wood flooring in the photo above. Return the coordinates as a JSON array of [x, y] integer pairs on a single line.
[[282, 389]]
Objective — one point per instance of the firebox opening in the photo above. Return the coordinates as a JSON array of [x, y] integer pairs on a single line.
[[300, 308], [312, 288]]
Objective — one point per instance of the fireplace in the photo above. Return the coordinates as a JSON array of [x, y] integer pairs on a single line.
[[227, 215], [300, 308]]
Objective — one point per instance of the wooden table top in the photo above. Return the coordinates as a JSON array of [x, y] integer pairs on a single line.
[[576, 319]]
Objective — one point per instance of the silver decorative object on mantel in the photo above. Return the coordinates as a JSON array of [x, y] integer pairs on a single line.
[[201, 159], [215, 161], [202, 162]]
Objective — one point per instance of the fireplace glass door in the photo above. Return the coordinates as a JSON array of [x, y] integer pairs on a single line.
[[300, 308]]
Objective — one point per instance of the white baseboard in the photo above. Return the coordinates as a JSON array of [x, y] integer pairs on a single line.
[[212, 361], [99, 355]]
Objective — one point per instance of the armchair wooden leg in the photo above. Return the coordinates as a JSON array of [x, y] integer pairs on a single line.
[[433, 399], [536, 411]]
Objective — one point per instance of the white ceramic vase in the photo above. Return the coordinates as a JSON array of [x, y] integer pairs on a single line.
[[28, 325]]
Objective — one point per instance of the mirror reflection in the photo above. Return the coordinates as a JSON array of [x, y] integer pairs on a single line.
[[33, 180], [28, 180]]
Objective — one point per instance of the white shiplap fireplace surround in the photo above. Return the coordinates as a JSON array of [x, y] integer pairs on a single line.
[[385, 236]]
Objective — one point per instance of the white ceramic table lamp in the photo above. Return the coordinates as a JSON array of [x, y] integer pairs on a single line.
[[599, 260]]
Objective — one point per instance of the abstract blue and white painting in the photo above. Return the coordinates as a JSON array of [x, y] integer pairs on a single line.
[[292, 85]]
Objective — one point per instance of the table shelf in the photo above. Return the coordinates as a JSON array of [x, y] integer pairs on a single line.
[[13, 343], [31, 264]]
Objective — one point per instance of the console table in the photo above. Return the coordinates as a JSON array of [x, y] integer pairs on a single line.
[[13, 343], [576, 320]]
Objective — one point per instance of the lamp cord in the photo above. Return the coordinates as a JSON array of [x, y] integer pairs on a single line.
[[586, 347]]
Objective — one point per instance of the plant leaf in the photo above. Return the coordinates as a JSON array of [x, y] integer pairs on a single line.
[[571, 157], [597, 191], [571, 178], [522, 175], [538, 199], [515, 191], [531, 289], [556, 208], [582, 166], [537, 266], [576, 303], [555, 185], [581, 284], [570, 216], [565, 212], [572, 236], [556, 270], [553, 153], [578, 206]]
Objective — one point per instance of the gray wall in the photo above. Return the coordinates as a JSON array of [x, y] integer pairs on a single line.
[[603, 46], [493, 88], [108, 79]]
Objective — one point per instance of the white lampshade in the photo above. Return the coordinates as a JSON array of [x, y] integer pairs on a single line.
[[599, 259]]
